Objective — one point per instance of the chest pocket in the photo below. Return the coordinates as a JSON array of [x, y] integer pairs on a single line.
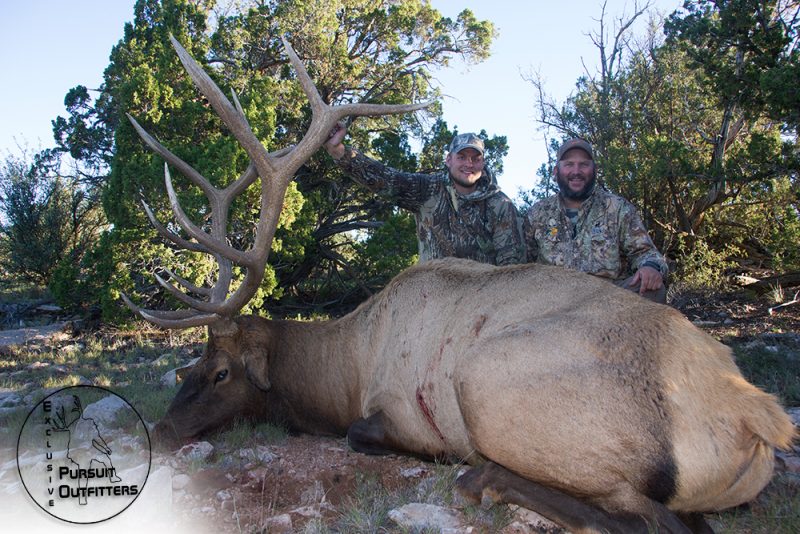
[[603, 253]]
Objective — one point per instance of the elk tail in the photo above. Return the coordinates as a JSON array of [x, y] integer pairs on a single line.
[[764, 417]]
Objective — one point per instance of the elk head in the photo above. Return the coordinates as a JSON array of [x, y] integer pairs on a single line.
[[232, 378]]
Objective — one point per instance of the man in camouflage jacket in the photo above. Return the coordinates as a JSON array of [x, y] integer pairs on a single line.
[[591, 230], [460, 213]]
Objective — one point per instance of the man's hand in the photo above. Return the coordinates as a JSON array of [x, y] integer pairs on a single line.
[[334, 144], [650, 279]]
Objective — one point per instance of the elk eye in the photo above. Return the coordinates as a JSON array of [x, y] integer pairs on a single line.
[[221, 376]]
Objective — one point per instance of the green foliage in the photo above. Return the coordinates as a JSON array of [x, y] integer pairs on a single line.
[[701, 266], [379, 52], [686, 130], [368, 509], [389, 249], [46, 217], [248, 434], [775, 511], [747, 51]]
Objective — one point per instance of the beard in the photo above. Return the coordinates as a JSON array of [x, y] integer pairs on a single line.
[[580, 195], [464, 183]]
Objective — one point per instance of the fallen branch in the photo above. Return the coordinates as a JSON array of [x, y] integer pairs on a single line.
[[771, 311], [766, 284]]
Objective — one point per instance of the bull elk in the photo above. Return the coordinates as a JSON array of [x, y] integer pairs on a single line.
[[571, 397]]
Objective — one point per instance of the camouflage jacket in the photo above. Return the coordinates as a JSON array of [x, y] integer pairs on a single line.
[[610, 238], [481, 226]]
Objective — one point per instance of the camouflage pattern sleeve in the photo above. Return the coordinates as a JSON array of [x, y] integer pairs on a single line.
[[405, 189], [507, 234], [635, 242], [529, 235]]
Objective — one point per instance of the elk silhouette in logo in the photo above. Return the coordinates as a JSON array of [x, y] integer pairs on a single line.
[[86, 447], [582, 401]]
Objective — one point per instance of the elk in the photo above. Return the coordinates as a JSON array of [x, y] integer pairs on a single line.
[[584, 402]]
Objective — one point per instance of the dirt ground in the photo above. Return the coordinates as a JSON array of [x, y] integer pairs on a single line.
[[310, 478]]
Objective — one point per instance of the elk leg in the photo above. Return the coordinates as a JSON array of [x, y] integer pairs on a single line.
[[696, 522], [368, 435], [501, 485]]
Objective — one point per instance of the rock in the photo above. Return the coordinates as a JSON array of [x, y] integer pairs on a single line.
[[794, 413], [48, 308], [179, 482], [279, 524], [73, 347], [152, 506], [264, 454], [224, 495], [170, 379], [173, 376], [257, 474], [247, 454], [161, 360], [260, 455], [418, 516], [788, 462], [413, 472], [529, 522], [106, 411], [313, 495], [200, 450], [22, 336]]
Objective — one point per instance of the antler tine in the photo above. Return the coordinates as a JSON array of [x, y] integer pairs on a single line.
[[172, 319], [275, 170], [324, 116], [231, 116], [317, 104], [161, 229], [187, 170], [215, 245], [201, 305], [188, 285]]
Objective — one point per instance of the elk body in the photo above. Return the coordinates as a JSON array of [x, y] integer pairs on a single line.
[[582, 401]]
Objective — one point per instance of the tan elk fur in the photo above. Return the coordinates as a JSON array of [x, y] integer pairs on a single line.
[[559, 377]]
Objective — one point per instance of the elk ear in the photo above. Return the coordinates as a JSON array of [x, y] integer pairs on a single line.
[[257, 369]]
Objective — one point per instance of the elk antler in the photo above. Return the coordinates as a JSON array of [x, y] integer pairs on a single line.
[[280, 166]]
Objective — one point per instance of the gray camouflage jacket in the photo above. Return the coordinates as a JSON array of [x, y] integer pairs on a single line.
[[481, 226], [610, 238]]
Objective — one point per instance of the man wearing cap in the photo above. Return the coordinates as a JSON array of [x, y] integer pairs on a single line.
[[460, 213], [588, 229]]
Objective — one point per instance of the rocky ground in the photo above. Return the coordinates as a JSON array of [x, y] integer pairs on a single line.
[[317, 484]]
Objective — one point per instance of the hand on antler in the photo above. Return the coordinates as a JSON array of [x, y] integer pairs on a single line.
[[275, 170], [334, 145]]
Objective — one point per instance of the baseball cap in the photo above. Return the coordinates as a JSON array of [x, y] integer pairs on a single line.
[[575, 142], [466, 140]]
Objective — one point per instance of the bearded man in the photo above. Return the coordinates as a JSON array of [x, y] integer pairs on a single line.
[[460, 213], [586, 228]]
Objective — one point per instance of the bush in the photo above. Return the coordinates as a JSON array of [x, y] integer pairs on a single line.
[[47, 218], [700, 266]]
